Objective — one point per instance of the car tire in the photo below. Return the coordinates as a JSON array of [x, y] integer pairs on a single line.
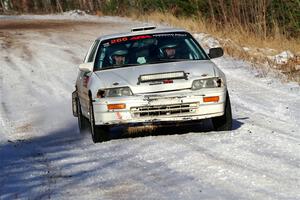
[[224, 122], [82, 121], [100, 133]]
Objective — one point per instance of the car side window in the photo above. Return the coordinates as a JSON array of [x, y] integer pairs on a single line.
[[85, 60], [93, 51]]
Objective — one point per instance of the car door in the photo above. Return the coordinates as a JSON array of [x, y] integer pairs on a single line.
[[84, 77]]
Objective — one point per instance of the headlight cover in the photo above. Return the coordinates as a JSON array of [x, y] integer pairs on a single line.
[[115, 92], [207, 83]]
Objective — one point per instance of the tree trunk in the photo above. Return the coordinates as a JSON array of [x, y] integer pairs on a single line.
[[2, 6], [223, 10], [58, 6], [212, 11]]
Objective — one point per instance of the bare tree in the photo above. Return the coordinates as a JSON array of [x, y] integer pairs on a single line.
[[212, 11], [2, 6], [58, 5]]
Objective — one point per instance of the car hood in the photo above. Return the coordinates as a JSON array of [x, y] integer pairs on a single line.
[[129, 76]]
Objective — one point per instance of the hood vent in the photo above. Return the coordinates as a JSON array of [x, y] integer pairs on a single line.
[[162, 76], [144, 28]]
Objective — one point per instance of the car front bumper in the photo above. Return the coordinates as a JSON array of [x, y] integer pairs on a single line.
[[160, 107]]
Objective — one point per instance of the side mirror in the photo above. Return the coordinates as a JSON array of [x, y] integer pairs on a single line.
[[215, 52], [86, 67]]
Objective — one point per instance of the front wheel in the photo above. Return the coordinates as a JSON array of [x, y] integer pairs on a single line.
[[100, 133], [224, 122]]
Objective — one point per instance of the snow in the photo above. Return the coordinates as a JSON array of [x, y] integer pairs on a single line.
[[269, 60], [206, 40], [282, 58], [44, 157], [73, 15]]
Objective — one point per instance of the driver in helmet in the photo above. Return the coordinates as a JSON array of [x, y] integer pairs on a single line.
[[169, 50], [119, 57]]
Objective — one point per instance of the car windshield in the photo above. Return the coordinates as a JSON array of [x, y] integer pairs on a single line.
[[148, 49]]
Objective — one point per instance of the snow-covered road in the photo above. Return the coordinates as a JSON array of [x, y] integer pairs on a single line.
[[42, 155]]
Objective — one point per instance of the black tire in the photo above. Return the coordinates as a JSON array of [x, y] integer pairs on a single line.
[[83, 123], [224, 122], [100, 133]]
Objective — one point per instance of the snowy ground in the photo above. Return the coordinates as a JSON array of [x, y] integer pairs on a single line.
[[43, 156]]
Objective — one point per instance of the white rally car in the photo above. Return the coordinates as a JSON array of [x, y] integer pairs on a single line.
[[149, 76]]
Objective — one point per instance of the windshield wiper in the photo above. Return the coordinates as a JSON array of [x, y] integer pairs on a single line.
[[165, 60], [118, 66], [127, 65], [173, 59]]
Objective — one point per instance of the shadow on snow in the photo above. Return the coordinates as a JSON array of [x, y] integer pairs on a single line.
[[64, 160]]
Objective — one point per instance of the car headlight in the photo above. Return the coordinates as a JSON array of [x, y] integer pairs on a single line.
[[207, 83], [115, 92]]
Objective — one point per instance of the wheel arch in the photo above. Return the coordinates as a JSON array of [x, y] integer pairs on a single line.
[[90, 94]]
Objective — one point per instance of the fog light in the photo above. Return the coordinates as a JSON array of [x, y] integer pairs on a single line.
[[211, 99], [116, 106]]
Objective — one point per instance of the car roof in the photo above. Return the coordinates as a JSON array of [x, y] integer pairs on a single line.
[[142, 32]]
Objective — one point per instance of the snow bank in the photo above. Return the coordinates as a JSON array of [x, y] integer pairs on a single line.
[[282, 58], [77, 15], [206, 40], [266, 61]]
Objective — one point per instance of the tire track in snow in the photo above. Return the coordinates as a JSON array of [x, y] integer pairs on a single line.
[[57, 70]]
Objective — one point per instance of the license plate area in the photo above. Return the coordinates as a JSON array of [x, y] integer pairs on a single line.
[[164, 109]]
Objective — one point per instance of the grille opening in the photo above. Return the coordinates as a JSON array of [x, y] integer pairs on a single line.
[[164, 110]]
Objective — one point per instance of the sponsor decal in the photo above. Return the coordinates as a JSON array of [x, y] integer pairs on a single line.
[[85, 81], [119, 116], [167, 81], [118, 40], [140, 37], [125, 39], [170, 35]]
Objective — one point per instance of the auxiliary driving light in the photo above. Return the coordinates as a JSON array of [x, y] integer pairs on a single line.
[[211, 99], [116, 106]]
